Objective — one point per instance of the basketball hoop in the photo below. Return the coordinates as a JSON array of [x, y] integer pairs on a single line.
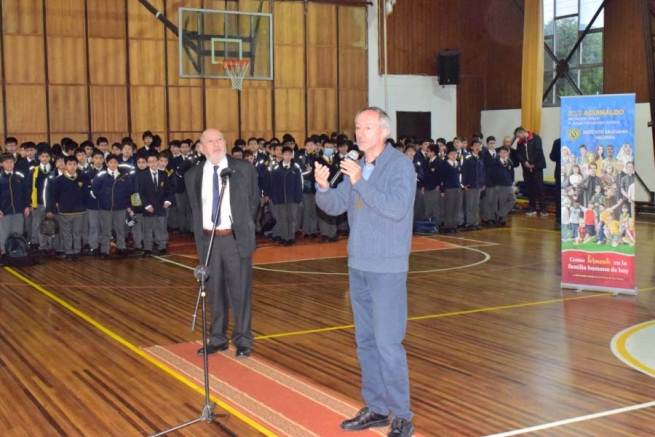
[[236, 69]]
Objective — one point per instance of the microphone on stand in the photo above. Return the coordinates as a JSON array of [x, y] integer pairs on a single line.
[[226, 173], [351, 156]]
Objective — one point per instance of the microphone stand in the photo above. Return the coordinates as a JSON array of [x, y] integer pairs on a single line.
[[202, 274]]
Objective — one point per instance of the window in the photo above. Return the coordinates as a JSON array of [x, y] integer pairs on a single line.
[[564, 23]]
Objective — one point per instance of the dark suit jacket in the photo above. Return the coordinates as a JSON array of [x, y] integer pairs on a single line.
[[244, 202], [155, 196]]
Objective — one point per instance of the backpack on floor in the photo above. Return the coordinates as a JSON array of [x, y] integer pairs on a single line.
[[17, 252], [425, 227]]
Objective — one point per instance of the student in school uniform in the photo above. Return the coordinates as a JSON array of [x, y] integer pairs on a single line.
[[504, 175], [14, 199], [68, 200], [126, 161], [327, 224], [432, 186], [11, 147], [286, 196], [23, 164], [36, 179], [113, 189], [489, 200], [156, 196], [309, 217], [102, 144], [473, 180], [419, 167], [183, 163], [137, 204], [92, 205], [451, 190]]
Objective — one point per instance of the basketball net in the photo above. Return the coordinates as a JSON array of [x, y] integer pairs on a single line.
[[236, 69]]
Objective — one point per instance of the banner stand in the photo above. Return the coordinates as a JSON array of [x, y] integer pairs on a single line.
[[577, 288]]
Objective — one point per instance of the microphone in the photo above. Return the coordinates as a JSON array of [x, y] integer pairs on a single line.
[[351, 156], [226, 173], [201, 273]]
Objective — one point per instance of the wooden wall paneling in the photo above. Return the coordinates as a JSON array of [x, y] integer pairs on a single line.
[[350, 102], [109, 109], [65, 17], [289, 110], [20, 68], [173, 66], [22, 17], [107, 59], [352, 27], [78, 137], [321, 24], [625, 69], [322, 67], [148, 109], [256, 110], [66, 60], [322, 110], [107, 18], [147, 66], [221, 108], [68, 108], [26, 115], [289, 66], [2, 119], [470, 101], [141, 23], [353, 69], [289, 17], [185, 108]]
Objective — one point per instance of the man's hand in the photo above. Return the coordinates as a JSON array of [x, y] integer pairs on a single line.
[[27, 211], [150, 209], [49, 215], [321, 175], [351, 169]]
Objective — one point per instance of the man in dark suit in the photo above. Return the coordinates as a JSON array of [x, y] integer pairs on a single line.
[[531, 154], [156, 196], [230, 260]]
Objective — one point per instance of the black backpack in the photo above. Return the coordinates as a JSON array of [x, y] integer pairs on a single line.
[[16, 250]]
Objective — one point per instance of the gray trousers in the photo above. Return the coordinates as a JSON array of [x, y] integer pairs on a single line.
[[506, 201], [327, 224], [9, 224], [70, 232], [183, 212], [452, 207], [489, 204], [27, 228], [472, 200], [112, 220], [432, 202], [286, 215], [420, 209], [137, 232], [38, 215], [309, 217], [379, 303], [154, 226], [173, 220], [229, 285], [93, 218]]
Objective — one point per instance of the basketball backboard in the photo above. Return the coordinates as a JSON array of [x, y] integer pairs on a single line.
[[207, 37]]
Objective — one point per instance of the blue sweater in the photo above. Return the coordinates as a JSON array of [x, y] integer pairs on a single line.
[[380, 213]]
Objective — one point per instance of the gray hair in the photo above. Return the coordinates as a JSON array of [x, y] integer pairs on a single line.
[[385, 121]]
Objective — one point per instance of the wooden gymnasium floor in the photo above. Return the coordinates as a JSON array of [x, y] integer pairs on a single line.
[[493, 343]]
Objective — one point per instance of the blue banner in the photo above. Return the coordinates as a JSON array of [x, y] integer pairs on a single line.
[[598, 192]]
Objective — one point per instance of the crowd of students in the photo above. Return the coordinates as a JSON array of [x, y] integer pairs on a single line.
[[100, 195]]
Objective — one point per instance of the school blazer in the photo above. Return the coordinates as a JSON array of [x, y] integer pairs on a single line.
[[244, 202], [155, 196]]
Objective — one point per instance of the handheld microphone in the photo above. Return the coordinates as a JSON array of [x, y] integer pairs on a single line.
[[351, 156], [201, 273]]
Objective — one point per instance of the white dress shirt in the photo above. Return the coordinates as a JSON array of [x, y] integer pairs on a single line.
[[208, 197]]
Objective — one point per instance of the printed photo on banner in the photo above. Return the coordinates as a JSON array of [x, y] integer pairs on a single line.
[[598, 190]]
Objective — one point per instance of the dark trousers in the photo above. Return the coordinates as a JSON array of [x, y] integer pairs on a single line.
[[534, 180], [229, 285]]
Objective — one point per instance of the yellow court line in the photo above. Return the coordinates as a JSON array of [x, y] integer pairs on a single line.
[[623, 352], [142, 354], [436, 316]]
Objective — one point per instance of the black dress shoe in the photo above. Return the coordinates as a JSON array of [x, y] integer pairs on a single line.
[[212, 349], [401, 428], [243, 352], [365, 419]]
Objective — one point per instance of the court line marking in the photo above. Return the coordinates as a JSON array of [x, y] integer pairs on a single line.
[[437, 316], [574, 420], [142, 354], [486, 258], [620, 349], [645, 223]]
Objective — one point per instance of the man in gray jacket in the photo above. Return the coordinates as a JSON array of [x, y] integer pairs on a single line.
[[378, 195]]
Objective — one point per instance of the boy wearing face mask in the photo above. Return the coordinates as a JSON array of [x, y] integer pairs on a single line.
[[327, 224]]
